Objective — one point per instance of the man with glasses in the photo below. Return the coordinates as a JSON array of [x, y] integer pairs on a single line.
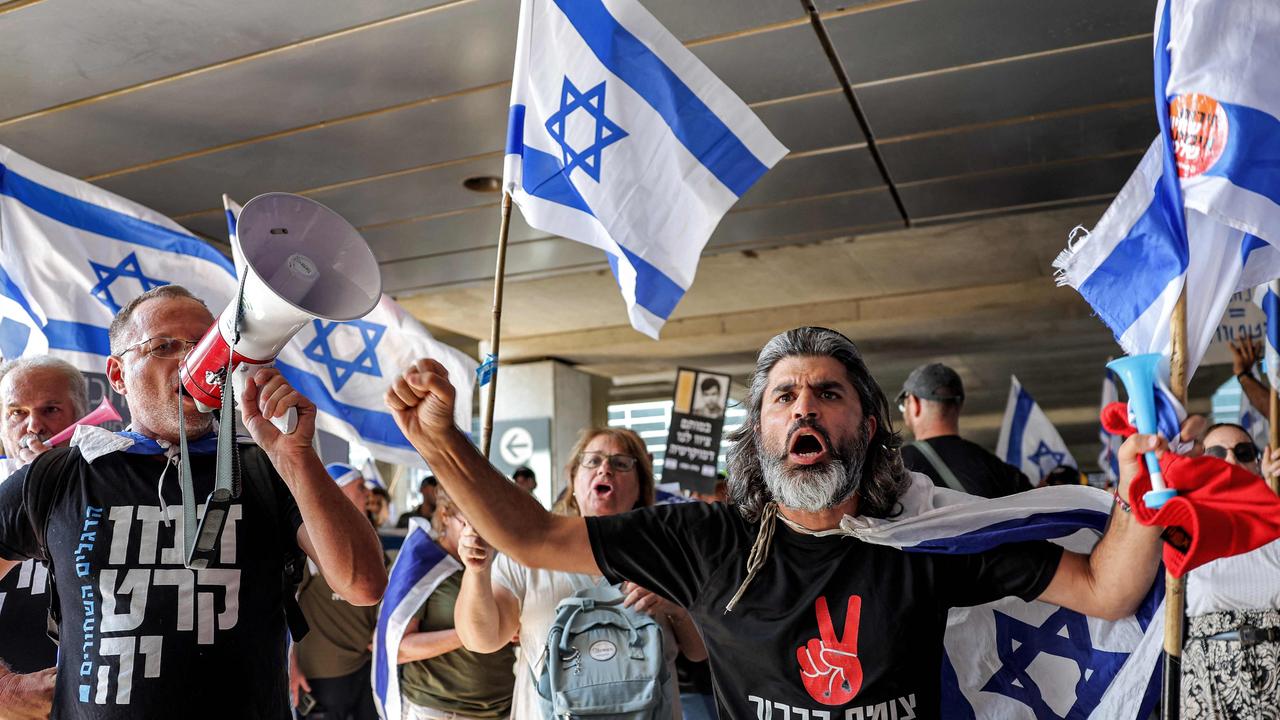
[[142, 635], [930, 403]]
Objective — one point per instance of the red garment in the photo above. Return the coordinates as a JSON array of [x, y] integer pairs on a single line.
[[1223, 508]]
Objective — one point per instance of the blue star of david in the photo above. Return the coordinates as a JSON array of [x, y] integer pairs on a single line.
[[1042, 454], [13, 338], [340, 371], [128, 268], [606, 131], [1019, 643]]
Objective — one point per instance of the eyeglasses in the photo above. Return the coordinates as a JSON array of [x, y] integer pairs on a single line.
[[166, 348], [1245, 452], [618, 463]]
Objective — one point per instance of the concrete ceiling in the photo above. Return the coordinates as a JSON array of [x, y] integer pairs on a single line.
[[1002, 124]]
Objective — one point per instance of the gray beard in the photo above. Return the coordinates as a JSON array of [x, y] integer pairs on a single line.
[[815, 487]]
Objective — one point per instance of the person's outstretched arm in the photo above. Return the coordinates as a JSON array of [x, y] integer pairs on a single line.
[[485, 616], [1111, 581], [421, 400]]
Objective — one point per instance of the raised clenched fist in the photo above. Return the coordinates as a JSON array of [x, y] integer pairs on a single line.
[[829, 667]]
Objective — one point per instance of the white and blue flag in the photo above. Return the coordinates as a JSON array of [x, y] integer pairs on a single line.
[[1202, 211], [620, 138], [1267, 297], [420, 567], [1014, 660], [71, 255], [346, 367], [1028, 441], [1109, 457]]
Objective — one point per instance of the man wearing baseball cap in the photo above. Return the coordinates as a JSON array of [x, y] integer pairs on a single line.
[[931, 401]]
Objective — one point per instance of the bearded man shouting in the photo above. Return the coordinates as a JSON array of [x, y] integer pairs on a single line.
[[795, 611]]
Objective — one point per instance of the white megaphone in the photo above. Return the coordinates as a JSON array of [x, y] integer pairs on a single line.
[[298, 261]]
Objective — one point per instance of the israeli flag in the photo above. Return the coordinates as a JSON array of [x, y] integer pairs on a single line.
[[1013, 660], [1109, 457], [620, 138], [346, 367], [1202, 211], [1028, 441], [419, 569], [1267, 297]]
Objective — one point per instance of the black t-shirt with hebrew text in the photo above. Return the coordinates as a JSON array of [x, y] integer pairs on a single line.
[[141, 635], [24, 619], [831, 627]]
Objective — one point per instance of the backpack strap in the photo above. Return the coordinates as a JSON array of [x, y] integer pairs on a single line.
[[254, 460], [944, 473]]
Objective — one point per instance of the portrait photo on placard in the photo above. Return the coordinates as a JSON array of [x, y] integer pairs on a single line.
[[711, 392]]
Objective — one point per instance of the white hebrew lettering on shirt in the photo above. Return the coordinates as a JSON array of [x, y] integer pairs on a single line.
[[902, 708], [127, 648]]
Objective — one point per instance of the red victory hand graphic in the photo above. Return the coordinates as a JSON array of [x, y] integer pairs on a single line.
[[830, 668]]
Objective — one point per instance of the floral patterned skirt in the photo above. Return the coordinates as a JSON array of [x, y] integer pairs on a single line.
[[1223, 681]]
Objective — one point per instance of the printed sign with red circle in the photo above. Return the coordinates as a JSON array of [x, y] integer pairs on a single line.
[[1199, 127]]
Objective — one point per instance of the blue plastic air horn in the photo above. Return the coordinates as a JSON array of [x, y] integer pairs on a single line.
[[1138, 373]]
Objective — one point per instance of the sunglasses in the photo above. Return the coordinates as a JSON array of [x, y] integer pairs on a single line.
[[619, 463], [1245, 452], [161, 347]]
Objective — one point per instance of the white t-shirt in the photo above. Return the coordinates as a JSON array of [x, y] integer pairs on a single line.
[[1242, 582], [538, 592]]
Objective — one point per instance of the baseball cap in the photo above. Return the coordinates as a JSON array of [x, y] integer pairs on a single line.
[[933, 381]]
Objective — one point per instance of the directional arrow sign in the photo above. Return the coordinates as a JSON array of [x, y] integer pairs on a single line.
[[516, 446]]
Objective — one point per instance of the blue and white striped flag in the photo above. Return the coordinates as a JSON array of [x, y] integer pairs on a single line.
[[72, 254], [419, 569], [1109, 457], [1028, 441], [1267, 297], [1013, 660], [1202, 211], [345, 367], [620, 138]]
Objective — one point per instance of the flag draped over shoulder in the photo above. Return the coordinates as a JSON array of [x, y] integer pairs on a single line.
[[345, 367], [1028, 441], [620, 138], [1202, 211], [1013, 660], [419, 569]]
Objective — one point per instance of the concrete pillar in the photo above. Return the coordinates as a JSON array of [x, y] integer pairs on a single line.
[[535, 395]]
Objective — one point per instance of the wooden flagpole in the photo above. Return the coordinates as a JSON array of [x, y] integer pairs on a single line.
[[1175, 599], [495, 329], [1274, 480]]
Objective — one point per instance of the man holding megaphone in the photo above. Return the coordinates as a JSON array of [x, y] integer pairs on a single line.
[[144, 633]]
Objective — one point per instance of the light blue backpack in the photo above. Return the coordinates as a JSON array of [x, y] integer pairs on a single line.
[[603, 660]]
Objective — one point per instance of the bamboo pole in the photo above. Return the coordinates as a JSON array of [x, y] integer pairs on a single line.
[[495, 329], [1175, 599]]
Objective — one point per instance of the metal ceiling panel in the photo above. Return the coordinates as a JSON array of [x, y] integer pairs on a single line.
[[812, 122], [795, 218], [811, 175], [474, 123], [56, 52], [769, 65], [531, 258], [1101, 74], [439, 237], [1037, 140], [933, 34], [1021, 187], [705, 18], [460, 46]]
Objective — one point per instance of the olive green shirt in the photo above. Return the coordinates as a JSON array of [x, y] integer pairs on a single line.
[[337, 644], [461, 681]]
